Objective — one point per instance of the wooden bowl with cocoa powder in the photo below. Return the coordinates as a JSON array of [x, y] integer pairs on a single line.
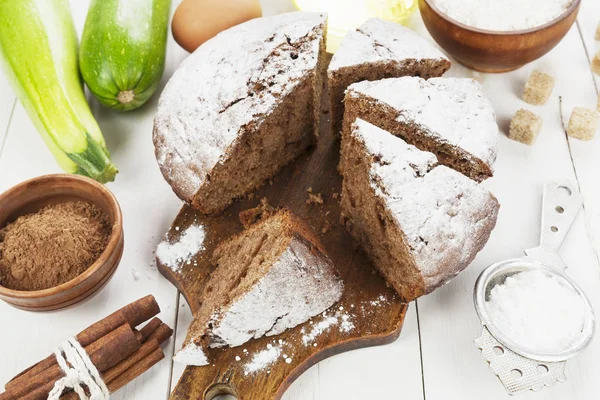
[[495, 51], [34, 195]]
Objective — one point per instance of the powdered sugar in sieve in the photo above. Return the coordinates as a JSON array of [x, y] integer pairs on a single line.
[[534, 316]]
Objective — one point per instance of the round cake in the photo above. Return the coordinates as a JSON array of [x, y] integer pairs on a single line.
[[241, 107]]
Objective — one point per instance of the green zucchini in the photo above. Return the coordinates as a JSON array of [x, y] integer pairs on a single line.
[[38, 45], [122, 54]]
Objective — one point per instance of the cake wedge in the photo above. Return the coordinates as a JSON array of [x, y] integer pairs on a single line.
[[420, 222], [450, 117], [271, 277]]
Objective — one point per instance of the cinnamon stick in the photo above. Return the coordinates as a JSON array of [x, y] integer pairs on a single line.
[[133, 314], [149, 328], [139, 368], [161, 334], [105, 353]]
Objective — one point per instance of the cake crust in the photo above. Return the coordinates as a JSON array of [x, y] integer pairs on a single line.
[[375, 50]]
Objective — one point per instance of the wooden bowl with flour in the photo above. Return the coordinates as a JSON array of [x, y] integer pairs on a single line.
[[33, 195], [495, 51]]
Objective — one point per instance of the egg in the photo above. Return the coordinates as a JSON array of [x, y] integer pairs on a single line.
[[196, 21]]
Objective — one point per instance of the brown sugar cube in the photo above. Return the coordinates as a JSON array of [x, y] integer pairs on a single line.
[[524, 127], [583, 123], [538, 88], [596, 64]]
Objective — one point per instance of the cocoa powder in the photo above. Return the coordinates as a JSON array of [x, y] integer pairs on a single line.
[[50, 247]]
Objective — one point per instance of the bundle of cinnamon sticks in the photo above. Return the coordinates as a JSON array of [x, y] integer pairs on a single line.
[[119, 351]]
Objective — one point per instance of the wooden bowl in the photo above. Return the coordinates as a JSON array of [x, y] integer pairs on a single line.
[[32, 195], [495, 51]]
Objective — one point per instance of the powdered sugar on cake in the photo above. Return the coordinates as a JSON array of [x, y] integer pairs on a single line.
[[175, 254], [442, 213], [298, 286], [191, 354], [450, 110], [231, 81], [379, 40]]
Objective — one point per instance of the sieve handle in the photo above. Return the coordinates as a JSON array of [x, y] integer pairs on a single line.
[[560, 205]]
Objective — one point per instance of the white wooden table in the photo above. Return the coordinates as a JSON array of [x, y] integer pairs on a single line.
[[434, 358]]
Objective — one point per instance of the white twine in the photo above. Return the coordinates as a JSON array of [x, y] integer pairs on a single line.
[[81, 371]]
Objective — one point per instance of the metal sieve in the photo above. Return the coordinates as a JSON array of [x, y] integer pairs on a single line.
[[520, 368]]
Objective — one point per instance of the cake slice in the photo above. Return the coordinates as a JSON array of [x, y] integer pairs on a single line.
[[271, 277], [420, 222], [450, 117], [375, 50], [242, 106]]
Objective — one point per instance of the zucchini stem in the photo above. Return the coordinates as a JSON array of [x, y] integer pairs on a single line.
[[126, 96]]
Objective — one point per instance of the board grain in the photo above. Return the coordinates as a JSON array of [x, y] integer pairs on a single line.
[[368, 314]]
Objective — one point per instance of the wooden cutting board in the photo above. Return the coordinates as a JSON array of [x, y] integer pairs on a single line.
[[368, 314]]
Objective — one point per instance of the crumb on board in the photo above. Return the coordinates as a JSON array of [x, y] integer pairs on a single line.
[[314, 198], [309, 190], [538, 88], [583, 123], [335, 195], [252, 215], [524, 127], [326, 227], [596, 63]]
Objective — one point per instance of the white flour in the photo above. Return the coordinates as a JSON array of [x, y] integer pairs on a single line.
[[173, 255], [537, 311], [502, 15]]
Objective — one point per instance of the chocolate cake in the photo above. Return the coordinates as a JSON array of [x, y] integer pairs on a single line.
[[420, 222], [271, 277], [449, 117], [375, 50], [239, 108]]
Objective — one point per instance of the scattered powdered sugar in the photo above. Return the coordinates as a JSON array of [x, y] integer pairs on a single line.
[[339, 319], [538, 311], [379, 301], [503, 15], [279, 350], [442, 213], [377, 40], [173, 255], [262, 359]]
